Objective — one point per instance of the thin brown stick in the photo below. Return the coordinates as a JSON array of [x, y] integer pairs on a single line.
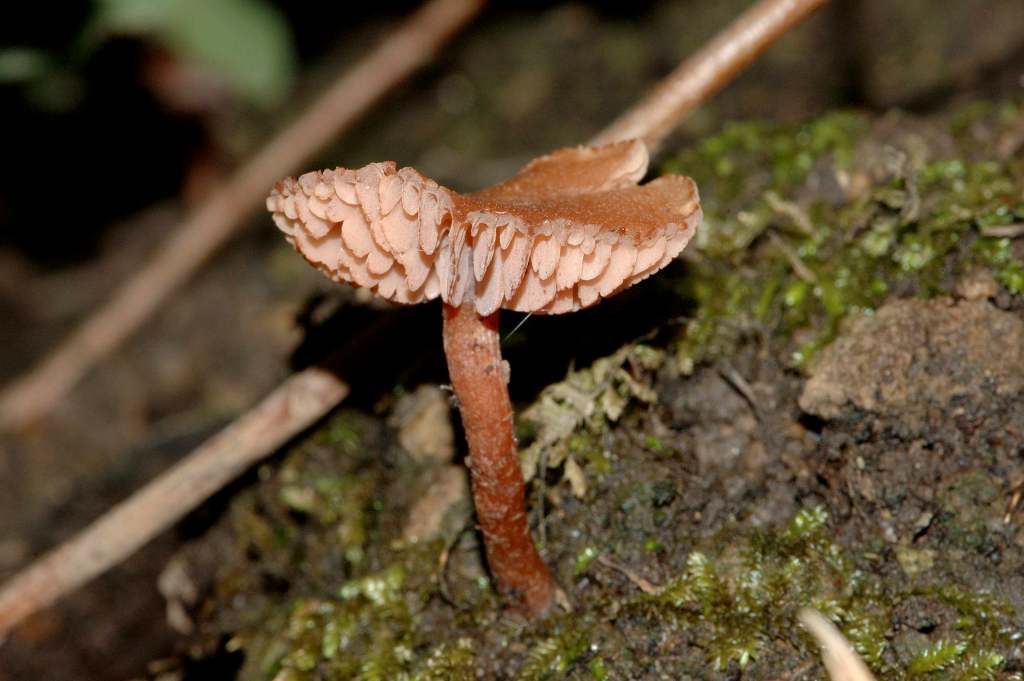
[[292, 407], [707, 71], [472, 346], [1004, 231], [1016, 492], [638, 581], [793, 258], [35, 394]]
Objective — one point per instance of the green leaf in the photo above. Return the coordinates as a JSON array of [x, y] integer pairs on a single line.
[[21, 64], [246, 42]]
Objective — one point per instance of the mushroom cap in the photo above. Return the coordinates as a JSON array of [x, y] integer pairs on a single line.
[[568, 229]]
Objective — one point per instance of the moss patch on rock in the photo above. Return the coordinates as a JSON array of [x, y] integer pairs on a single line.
[[805, 225]]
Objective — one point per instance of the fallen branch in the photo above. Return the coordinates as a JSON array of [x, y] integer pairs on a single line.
[[708, 71], [292, 407], [638, 581], [1004, 231], [218, 219]]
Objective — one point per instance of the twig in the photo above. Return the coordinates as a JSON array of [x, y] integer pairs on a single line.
[[791, 210], [742, 387], [1004, 231], [799, 268], [35, 394], [639, 582], [841, 661], [297, 403], [1016, 492], [708, 71]]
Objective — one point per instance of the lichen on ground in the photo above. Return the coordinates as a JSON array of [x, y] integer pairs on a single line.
[[686, 504]]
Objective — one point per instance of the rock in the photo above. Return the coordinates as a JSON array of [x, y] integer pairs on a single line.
[[423, 419], [915, 357], [978, 284], [447, 490], [177, 587]]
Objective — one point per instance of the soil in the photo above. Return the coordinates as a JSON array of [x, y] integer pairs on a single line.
[[849, 439], [818, 407]]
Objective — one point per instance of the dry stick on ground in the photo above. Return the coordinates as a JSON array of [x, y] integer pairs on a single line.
[[74, 563], [290, 409], [34, 395], [1004, 231], [708, 71]]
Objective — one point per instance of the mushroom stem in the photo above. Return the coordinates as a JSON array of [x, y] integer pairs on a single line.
[[471, 344]]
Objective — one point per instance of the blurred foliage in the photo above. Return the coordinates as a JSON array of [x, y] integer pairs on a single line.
[[245, 43], [20, 64]]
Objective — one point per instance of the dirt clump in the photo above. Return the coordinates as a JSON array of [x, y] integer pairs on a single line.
[[919, 361]]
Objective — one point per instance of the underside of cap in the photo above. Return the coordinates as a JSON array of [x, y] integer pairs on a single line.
[[376, 227], [569, 229]]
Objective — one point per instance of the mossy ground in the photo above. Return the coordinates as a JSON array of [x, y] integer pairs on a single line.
[[712, 509]]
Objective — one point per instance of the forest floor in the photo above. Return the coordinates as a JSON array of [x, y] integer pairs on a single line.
[[817, 405], [828, 414]]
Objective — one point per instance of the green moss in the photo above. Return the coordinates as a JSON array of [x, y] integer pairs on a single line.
[[358, 603], [369, 629], [584, 558], [450, 661], [750, 163], [797, 268], [353, 599], [568, 419], [598, 669], [344, 433], [553, 656], [741, 590], [936, 657], [735, 602], [998, 254], [653, 443], [652, 545], [585, 447], [982, 628]]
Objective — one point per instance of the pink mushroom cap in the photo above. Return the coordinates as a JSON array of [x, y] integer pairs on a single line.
[[569, 229]]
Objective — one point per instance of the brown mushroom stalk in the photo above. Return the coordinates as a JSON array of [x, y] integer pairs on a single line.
[[569, 229], [478, 375]]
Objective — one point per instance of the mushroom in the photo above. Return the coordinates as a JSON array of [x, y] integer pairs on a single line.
[[567, 230]]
